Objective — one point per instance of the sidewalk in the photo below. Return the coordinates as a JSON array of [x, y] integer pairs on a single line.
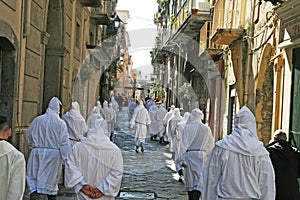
[[148, 175]]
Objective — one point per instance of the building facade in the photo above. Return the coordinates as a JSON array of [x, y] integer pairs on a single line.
[[44, 48], [245, 54]]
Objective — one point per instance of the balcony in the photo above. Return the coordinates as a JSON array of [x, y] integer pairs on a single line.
[[99, 17], [227, 22], [207, 48], [187, 24], [158, 55], [90, 3]]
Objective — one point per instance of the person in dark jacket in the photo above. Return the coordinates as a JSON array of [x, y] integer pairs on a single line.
[[286, 162]]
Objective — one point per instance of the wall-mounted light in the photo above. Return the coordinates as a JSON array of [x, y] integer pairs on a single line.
[[117, 22]]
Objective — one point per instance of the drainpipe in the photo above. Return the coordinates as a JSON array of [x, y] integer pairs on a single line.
[[27, 18], [19, 65], [250, 58]]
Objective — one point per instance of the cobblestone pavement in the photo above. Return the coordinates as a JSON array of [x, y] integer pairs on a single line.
[[148, 175]]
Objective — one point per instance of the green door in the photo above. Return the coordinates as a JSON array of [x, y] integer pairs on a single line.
[[295, 98], [295, 104]]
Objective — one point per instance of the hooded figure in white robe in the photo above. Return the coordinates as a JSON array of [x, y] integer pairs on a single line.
[[140, 120], [47, 138], [108, 115], [167, 136], [113, 121], [77, 127], [95, 161], [115, 104], [12, 166], [153, 126], [131, 107], [177, 144], [98, 105], [92, 118], [197, 143], [239, 166], [160, 114], [172, 123]]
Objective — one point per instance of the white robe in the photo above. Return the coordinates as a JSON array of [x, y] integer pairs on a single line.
[[177, 145], [160, 114], [107, 114], [239, 166], [77, 127], [96, 161], [173, 121], [131, 107], [227, 181], [197, 143], [12, 172], [115, 104], [114, 120], [140, 120], [47, 137], [153, 129], [165, 121]]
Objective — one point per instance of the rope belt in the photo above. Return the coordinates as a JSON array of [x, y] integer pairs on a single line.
[[53, 148], [76, 140], [140, 123], [193, 150]]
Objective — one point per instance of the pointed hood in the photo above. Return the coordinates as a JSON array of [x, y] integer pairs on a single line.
[[54, 105], [96, 137], [244, 138]]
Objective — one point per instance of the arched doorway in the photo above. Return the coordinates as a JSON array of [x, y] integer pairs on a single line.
[[7, 78], [54, 52], [264, 96]]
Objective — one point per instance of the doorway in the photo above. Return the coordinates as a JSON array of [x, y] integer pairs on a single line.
[[295, 102], [7, 78]]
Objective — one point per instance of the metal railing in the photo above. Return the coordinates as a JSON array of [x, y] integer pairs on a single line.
[[205, 38]]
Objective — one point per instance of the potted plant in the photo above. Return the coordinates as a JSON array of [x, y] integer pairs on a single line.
[[194, 11]]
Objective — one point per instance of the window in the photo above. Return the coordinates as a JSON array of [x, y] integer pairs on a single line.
[[77, 37], [92, 39]]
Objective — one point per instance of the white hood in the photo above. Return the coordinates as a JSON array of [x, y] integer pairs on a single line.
[[96, 137], [244, 138]]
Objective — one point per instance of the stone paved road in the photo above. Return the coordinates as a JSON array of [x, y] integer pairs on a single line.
[[150, 172], [148, 175]]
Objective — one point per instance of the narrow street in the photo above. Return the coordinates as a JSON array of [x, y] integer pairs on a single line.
[[148, 175]]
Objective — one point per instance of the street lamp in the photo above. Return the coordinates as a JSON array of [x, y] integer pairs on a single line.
[[117, 22]]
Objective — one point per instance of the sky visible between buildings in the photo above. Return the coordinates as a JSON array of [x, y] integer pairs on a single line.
[[142, 32]]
